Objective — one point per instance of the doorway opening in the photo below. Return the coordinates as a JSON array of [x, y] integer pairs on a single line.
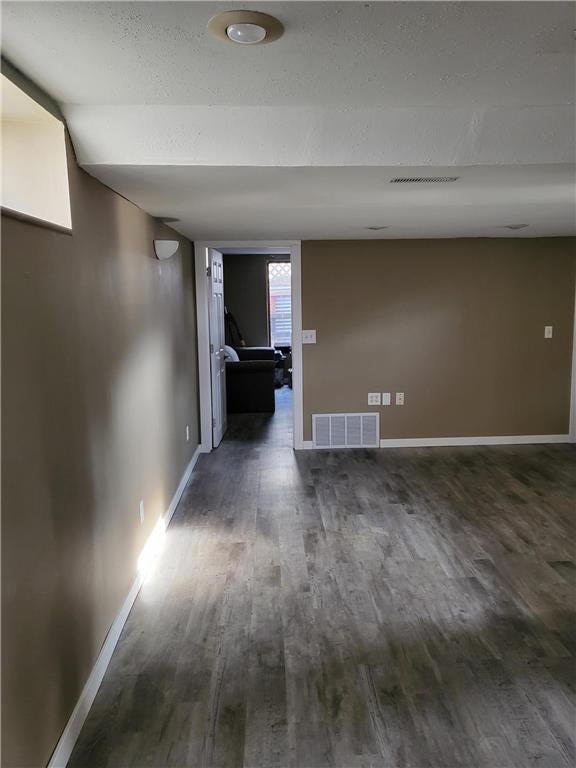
[[249, 313]]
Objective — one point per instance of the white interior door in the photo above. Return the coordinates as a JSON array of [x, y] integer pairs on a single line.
[[217, 363]]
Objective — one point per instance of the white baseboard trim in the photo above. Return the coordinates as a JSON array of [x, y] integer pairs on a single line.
[[181, 486], [431, 442], [428, 442], [66, 743]]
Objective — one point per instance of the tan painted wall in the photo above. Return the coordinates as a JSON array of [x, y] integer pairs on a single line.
[[457, 325], [99, 380]]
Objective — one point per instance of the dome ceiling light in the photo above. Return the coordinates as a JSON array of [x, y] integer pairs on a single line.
[[245, 27]]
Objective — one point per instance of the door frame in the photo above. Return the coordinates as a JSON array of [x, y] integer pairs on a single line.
[[293, 247], [217, 339]]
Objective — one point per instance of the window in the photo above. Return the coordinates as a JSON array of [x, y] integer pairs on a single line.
[[34, 168], [280, 303]]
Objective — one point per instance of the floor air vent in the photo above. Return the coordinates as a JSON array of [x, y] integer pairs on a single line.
[[346, 430], [424, 179]]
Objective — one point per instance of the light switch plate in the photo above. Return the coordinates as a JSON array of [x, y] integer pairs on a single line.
[[308, 337], [399, 398], [386, 398], [374, 398], [141, 512], [548, 331]]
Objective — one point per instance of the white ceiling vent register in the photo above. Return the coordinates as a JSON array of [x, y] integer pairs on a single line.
[[424, 179], [346, 430]]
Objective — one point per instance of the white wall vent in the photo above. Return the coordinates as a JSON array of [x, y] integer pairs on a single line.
[[424, 179], [346, 430]]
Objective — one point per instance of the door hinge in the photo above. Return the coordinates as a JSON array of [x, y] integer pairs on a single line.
[[213, 423], [211, 349], [208, 271]]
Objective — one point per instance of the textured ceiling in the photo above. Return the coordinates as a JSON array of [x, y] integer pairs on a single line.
[[179, 121], [333, 203], [296, 136], [386, 54]]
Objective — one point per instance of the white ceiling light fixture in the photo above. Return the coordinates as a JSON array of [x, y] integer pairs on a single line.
[[246, 34], [245, 27]]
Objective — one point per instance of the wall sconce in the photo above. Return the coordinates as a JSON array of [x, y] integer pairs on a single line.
[[165, 248]]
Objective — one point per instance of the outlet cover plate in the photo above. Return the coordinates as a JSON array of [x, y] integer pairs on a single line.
[[308, 337]]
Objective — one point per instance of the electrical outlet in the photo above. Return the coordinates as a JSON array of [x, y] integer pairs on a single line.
[[308, 337], [399, 398], [187, 433], [548, 331], [386, 398], [141, 511], [373, 398]]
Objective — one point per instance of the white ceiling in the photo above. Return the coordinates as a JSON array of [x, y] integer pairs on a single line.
[[334, 203], [297, 138], [390, 54], [302, 136]]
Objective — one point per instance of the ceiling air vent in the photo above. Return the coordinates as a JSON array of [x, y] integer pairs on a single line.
[[346, 430], [424, 179]]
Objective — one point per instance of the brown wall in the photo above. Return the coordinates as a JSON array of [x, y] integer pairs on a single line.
[[99, 382], [457, 325], [246, 296]]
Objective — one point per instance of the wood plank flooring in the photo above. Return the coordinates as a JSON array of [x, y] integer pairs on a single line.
[[409, 607]]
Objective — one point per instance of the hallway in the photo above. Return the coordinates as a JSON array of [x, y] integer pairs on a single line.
[[351, 608]]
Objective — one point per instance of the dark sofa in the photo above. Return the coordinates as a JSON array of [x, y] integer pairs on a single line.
[[250, 381]]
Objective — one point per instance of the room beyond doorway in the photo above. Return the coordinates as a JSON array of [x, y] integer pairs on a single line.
[[257, 294], [258, 322], [263, 320]]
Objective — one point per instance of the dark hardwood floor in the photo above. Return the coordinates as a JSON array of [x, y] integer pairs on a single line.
[[409, 607]]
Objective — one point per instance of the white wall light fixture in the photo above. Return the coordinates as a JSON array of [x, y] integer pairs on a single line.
[[245, 27], [164, 249]]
